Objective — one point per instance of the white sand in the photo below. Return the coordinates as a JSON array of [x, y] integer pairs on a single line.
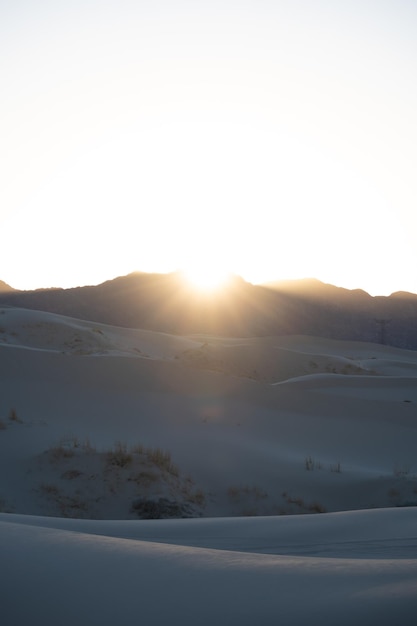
[[71, 572], [276, 426]]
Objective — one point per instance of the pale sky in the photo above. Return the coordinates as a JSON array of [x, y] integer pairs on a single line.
[[276, 139]]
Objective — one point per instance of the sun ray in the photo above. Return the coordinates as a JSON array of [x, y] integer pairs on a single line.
[[206, 277]]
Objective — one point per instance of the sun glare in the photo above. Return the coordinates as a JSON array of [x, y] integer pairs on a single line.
[[206, 277]]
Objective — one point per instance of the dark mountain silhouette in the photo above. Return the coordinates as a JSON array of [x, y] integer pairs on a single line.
[[165, 302]]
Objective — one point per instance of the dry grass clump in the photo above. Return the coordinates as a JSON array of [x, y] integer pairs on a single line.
[[144, 479], [49, 489], [197, 497], [71, 474], [13, 416], [316, 507], [162, 459], [119, 455], [297, 501], [123, 456], [311, 464], [67, 447], [89, 480], [313, 507], [58, 452], [336, 468], [401, 470]]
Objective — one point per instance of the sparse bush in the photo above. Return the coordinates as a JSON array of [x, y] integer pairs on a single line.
[[13, 416], [162, 508], [297, 501], [59, 452], [49, 489], [313, 507], [254, 491], [316, 507], [87, 446], [197, 497], [394, 493], [336, 468], [2, 425], [233, 492], [401, 470], [144, 479], [119, 455], [310, 464], [71, 474], [162, 459], [69, 442]]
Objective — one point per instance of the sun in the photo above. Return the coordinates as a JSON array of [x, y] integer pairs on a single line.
[[206, 277]]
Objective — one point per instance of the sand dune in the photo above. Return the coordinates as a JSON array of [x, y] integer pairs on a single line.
[[101, 427], [249, 571]]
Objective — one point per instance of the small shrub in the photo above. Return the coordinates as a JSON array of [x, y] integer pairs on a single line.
[[162, 459], [144, 479], [138, 449], [337, 469], [197, 497], [316, 507], [394, 493], [2, 425], [13, 416], [401, 470], [69, 442], [254, 491], [160, 508], [297, 501], [119, 456], [71, 474], [88, 447], [233, 492], [49, 489], [59, 452], [71, 507], [309, 464]]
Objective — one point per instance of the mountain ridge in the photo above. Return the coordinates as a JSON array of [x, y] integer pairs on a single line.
[[165, 302]]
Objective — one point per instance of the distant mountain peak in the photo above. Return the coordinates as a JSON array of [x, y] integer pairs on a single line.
[[5, 287]]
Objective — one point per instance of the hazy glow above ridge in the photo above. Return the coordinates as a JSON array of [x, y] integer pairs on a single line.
[[272, 141]]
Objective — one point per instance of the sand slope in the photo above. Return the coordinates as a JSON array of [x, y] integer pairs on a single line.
[[104, 573], [322, 426], [101, 427]]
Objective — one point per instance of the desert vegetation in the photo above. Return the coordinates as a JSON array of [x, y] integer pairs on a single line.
[[121, 481], [298, 505], [311, 464], [12, 418]]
